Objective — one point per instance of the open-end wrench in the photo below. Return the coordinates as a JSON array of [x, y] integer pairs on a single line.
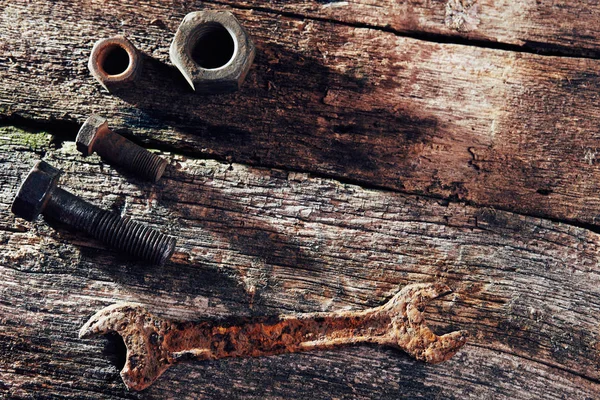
[[153, 344]]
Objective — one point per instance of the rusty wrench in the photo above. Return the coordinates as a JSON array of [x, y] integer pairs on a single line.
[[153, 344]]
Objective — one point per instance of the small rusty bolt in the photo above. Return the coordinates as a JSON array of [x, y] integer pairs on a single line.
[[94, 135], [115, 62], [39, 194], [213, 51], [154, 344]]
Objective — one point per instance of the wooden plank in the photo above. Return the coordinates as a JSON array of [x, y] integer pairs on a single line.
[[529, 25], [487, 127], [495, 128], [256, 241]]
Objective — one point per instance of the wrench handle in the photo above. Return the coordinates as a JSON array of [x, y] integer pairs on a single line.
[[282, 334]]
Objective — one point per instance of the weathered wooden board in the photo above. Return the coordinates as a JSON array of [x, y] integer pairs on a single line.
[[370, 160], [567, 27], [495, 128], [257, 241]]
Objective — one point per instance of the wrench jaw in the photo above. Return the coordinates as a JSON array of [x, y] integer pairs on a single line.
[[409, 330], [445, 346], [146, 357]]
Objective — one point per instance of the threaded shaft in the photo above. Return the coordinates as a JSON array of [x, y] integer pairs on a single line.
[[148, 165], [134, 238], [121, 233], [121, 151]]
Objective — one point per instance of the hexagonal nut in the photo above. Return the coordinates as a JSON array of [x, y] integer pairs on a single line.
[[213, 51], [88, 133], [35, 191], [115, 62]]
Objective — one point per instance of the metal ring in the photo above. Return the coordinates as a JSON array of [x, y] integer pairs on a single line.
[[114, 62]]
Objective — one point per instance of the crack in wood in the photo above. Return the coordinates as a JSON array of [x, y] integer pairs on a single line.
[[66, 130], [528, 46]]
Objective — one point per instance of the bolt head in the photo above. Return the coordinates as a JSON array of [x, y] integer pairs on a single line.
[[225, 78], [35, 191], [88, 133]]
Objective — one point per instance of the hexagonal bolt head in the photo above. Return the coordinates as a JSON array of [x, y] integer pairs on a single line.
[[213, 51], [115, 62], [88, 133], [35, 191]]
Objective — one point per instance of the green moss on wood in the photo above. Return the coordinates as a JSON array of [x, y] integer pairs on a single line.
[[12, 137]]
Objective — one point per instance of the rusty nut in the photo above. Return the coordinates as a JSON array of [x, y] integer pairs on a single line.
[[115, 62], [213, 51]]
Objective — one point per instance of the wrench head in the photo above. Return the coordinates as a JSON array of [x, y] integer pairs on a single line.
[[409, 330], [146, 358]]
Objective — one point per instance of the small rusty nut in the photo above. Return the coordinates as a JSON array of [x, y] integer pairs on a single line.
[[213, 51], [115, 62]]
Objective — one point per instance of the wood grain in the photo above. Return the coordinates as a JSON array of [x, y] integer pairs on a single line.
[[364, 152], [493, 128], [255, 241], [527, 25]]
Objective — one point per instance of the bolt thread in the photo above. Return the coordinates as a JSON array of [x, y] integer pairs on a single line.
[[119, 150], [122, 233], [148, 165], [133, 237]]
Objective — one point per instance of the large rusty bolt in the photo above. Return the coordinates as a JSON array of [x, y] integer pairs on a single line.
[[40, 194], [115, 62], [213, 51]]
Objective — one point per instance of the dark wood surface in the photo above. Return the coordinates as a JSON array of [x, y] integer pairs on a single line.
[[371, 146]]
